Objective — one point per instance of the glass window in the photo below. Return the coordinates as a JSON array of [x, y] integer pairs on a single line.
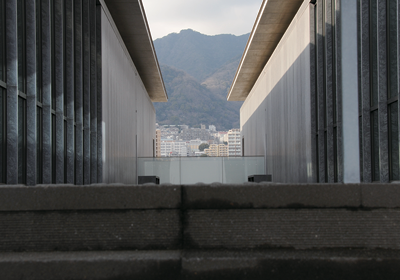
[[21, 141], [39, 51], [39, 145], [21, 44], [394, 141], [2, 142], [2, 40], [392, 44], [374, 52], [53, 148], [375, 145]]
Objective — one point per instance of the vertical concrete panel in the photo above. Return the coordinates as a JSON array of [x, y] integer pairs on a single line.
[[78, 100], [69, 91], [281, 97], [46, 90], [127, 111], [329, 64], [365, 89], [31, 88], [312, 163], [58, 87], [349, 91], [86, 90], [383, 92], [99, 95], [93, 93], [339, 102], [12, 92]]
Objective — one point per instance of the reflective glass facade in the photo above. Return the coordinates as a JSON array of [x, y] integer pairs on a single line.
[[55, 78]]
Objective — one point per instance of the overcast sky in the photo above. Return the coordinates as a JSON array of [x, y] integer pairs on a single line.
[[209, 17]]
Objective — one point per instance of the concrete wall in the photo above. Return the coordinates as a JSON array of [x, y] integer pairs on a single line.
[[128, 113], [276, 116]]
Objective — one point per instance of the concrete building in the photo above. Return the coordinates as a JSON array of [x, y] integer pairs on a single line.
[[77, 82], [320, 81], [158, 143], [195, 133], [217, 150], [234, 143], [174, 148]]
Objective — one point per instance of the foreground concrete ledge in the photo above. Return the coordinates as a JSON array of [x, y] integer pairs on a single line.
[[208, 265], [291, 264], [144, 265], [275, 195], [198, 196], [90, 197]]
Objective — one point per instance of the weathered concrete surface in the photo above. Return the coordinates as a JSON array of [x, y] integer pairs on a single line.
[[250, 231], [131, 21], [290, 264], [143, 265], [93, 197], [193, 265], [271, 23], [252, 195]]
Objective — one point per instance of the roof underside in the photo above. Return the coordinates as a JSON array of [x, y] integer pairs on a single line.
[[272, 21], [130, 19]]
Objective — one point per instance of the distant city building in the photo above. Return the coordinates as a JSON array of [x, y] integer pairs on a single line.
[[203, 126], [216, 150], [158, 143], [193, 145], [195, 133], [212, 128], [234, 143], [173, 148]]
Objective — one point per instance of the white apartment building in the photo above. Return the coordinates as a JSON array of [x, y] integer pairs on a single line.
[[173, 148], [234, 143]]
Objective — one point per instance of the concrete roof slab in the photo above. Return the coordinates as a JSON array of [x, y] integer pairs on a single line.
[[272, 21], [130, 19]]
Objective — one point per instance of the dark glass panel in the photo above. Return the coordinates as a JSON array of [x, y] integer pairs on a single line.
[[53, 148], [2, 142], [21, 141], [361, 149], [335, 154], [375, 145], [39, 51], [394, 141], [392, 44], [65, 152], [53, 91], [2, 40], [374, 52], [39, 144], [326, 155], [21, 45]]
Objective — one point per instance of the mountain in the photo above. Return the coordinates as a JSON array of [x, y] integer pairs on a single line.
[[197, 54], [198, 70], [193, 104]]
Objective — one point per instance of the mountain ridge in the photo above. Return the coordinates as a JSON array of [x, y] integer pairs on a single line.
[[198, 70]]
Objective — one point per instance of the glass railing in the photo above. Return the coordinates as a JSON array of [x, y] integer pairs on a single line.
[[192, 170]]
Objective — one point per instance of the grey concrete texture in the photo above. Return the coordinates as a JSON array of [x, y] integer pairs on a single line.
[[143, 265], [99, 230], [290, 264], [93, 197], [273, 19], [270, 195], [130, 19], [381, 195], [300, 229], [193, 265]]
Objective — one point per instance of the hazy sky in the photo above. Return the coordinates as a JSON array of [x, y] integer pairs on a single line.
[[209, 17]]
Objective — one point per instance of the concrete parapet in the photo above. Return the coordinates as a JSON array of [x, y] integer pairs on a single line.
[[203, 231]]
